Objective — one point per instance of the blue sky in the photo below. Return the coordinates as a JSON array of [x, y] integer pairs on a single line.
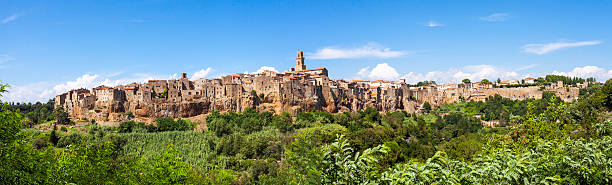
[[49, 47]]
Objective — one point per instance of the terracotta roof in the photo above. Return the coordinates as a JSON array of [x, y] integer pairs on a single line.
[[314, 69], [304, 70], [103, 88]]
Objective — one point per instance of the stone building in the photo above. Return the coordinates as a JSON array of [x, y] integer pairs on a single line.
[[295, 90]]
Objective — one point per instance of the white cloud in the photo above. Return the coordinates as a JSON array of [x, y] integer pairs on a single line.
[[10, 18], [173, 76], [479, 72], [27, 93], [550, 47], [85, 81], [5, 58], [496, 17], [527, 67], [433, 24], [138, 78], [42, 91], [384, 71], [201, 73], [454, 75], [588, 71], [381, 72], [367, 51], [266, 68]]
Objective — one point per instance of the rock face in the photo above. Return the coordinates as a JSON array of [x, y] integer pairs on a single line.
[[292, 91]]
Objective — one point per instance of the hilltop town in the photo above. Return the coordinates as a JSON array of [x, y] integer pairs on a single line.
[[299, 89]]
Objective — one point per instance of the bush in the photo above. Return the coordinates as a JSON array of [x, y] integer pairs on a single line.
[[130, 126], [61, 116], [168, 124], [258, 168], [220, 127], [53, 136], [74, 138], [40, 143], [283, 122]]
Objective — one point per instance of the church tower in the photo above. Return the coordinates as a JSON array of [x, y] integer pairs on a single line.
[[299, 61]]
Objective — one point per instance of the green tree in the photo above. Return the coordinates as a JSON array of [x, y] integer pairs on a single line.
[[220, 127], [283, 122], [304, 153], [466, 81], [168, 124], [54, 136], [485, 81], [426, 107], [342, 165], [11, 123], [3, 89], [61, 116], [167, 168], [20, 162], [371, 114]]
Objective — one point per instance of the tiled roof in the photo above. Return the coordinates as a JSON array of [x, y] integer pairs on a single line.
[[314, 69]]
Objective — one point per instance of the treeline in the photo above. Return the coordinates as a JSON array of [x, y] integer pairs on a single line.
[[566, 80], [423, 83], [36, 113], [39, 113], [525, 85]]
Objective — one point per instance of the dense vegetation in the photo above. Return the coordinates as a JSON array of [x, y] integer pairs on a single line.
[[542, 141], [565, 79], [502, 109], [36, 113], [423, 83]]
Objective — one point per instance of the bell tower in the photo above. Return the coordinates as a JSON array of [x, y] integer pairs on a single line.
[[299, 61]]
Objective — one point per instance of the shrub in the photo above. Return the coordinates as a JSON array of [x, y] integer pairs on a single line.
[[283, 122], [168, 124], [74, 138]]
